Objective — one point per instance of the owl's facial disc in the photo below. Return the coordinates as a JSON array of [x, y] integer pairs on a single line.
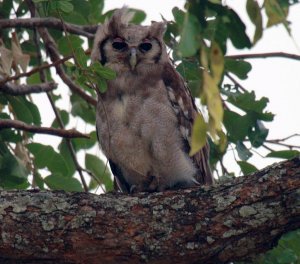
[[133, 50]]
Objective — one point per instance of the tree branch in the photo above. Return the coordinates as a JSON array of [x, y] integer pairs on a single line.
[[235, 82], [35, 70], [54, 55], [216, 224], [265, 55], [65, 133], [50, 22], [23, 89]]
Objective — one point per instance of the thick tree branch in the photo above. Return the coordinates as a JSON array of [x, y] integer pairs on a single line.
[[265, 55], [23, 89], [49, 22], [65, 133], [218, 224]]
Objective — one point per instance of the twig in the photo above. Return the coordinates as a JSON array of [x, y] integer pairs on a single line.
[[224, 169], [284, 139], [23, 89], [235, 82], [35, 70], [39, 69], [282, 144], [265, 55], [96, 179], [50, 22], [268, 148], [65, 133]]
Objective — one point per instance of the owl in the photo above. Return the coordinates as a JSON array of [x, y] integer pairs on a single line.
[[145, 117]]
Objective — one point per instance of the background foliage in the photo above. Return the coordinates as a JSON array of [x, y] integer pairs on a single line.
[[197, 37]]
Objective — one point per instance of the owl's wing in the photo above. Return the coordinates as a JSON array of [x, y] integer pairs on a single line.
[[119, 183], [186, 112]]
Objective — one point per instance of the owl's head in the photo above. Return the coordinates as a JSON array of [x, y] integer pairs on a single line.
[[118, 43]]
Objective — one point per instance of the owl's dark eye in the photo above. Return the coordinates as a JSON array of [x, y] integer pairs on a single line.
[[119, 44], [146, 46]]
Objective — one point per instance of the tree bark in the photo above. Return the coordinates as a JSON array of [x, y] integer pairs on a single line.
[[228, 222]]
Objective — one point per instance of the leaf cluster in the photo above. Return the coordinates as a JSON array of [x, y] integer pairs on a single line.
[[199, 36]]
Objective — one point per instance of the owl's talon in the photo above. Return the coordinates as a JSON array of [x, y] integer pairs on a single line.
[[133, 189]]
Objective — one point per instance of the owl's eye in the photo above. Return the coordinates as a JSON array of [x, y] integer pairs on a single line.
[[119, 44], [146, 46]]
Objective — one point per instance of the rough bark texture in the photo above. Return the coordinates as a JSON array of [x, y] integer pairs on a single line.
[[227, 222]]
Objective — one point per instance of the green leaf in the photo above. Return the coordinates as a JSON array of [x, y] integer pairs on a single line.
[[64, 117], [67, 43], [82, 9], [9, 134], [189, 42], [246, 101], [13, 173], [74, 17], [35, 113], [103, 72], [95, 13], [242, 151], [58, 182], [20, 109], [199, 130], [286, 252], [35, 78], [65, 152], [81, 57], [258, 135], [240, 68], [195, 87], [38, 180], [247, 167], [237, 30], [139, 16], [237, 126], [291, 241], [102, 86], [189, 70], [276, 12], [65, 6], [100, 170], [255, 16], [82, 109], [85, 143], [46, 156], [283, 154]]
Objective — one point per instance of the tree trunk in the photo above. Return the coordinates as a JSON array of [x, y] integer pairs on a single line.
[[218, 224]]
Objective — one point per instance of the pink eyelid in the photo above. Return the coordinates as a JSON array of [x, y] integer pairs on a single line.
[[118, 40]]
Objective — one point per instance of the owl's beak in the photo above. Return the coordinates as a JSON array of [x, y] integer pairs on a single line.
[[132, 59]]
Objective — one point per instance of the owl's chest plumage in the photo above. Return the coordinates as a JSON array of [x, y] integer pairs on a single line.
[[138, 128], [133, 110]]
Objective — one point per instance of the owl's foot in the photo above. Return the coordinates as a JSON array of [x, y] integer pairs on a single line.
[[149, 185], [185, 185]]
